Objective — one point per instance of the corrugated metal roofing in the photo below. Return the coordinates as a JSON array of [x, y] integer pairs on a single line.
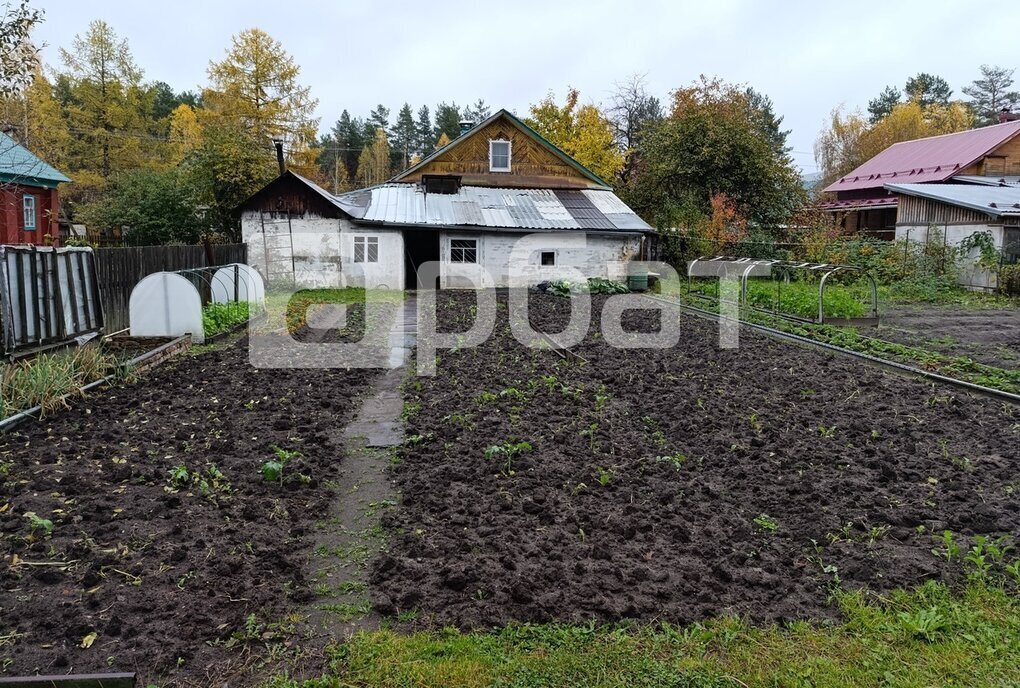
[[932, 159], [1009, 180], [18, 164], [994, 200], [498, 208]]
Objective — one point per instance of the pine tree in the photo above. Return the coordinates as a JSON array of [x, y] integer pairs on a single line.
[[928, 89], [404, 136], [477, 112], [447, 121], [423, 131], [349, 137], [990, 94], [379, 118], [881, 106]]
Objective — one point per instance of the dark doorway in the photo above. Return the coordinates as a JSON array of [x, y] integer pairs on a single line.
[[420, 246]]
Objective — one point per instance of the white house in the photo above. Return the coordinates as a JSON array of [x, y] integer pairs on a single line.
[[958, 211], [466, 206]]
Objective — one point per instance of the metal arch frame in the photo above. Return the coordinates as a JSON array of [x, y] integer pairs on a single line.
[[784, 268], [208, 276]]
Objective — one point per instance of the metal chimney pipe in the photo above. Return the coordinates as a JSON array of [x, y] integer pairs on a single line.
[[279, 155]]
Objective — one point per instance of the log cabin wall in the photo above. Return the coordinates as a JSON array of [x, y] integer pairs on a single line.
[[1003, 161], [532, 165]]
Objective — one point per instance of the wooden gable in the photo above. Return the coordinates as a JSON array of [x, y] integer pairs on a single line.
[[287, 193], [533, 164]]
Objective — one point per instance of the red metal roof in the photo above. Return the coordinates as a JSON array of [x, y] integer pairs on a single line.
[[934, 159], [860, 204]]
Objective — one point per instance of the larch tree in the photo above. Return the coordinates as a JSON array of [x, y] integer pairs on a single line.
[[442, 141], [105, 109], [185, 133], [256, 87], [582, 131], [374, 161], [991, 94]]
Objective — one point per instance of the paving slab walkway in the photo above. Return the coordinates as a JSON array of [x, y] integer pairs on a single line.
[[351, 533]]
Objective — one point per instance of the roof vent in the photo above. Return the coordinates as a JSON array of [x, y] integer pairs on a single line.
[[465, 126]]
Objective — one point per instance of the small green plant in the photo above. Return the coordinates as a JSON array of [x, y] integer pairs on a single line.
[[272, 470], [676, 458], [827, 432], [222, 317], [924, 624], [950, 548], [38, 524], [179, 476], [507, 451], [605, 475], [766, 523]]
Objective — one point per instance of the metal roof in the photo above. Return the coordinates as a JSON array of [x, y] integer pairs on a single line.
[[495, 208], [993, 200], [932, 159], [1008, 180], [21, 166]]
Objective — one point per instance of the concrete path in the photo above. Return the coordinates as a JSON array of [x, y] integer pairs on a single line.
[[352, 533]]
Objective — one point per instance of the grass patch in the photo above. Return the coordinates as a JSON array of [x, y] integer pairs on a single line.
[[45, 379], [284, 306], [925, 638]]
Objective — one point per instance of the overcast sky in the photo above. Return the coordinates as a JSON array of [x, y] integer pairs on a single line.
[[807, 56]]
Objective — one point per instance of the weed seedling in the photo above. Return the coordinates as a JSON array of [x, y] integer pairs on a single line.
[[507, 450], [37, 524], [272, 470], [950, 548], [766, 523]]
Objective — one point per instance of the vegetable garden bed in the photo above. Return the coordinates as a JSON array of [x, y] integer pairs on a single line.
[[682, 484]]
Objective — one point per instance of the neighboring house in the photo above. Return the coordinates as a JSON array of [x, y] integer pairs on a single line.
[[465, 205], [957, 211], [866, 205], [28, 191]]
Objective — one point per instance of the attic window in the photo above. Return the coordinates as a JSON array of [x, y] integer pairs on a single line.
[[499, 156], [440, 183]]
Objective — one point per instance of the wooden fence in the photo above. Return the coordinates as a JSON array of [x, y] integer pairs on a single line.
[[120, 269]]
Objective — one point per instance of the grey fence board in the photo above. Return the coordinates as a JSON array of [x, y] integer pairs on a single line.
[[120, 269]]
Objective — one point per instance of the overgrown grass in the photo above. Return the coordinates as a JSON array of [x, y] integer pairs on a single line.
[[293, 307], [929, 637], [45, 379], [223, 317]]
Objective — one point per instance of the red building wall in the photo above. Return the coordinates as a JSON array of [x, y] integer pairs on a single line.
[[12, 223]]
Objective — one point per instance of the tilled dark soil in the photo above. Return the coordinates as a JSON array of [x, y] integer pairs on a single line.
[[184, 581], [680, 484]]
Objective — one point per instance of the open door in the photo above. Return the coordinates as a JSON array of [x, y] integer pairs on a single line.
[[420, 246]]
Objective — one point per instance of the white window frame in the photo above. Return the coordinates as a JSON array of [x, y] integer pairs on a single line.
[[365, 242], [509, 155], [26, 201], [477, 249], [555, 255]]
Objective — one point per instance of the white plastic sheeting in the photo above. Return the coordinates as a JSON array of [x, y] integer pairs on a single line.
[[165, 304], [238, 282]]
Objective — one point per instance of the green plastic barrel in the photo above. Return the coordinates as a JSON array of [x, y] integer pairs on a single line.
[[638, 282]]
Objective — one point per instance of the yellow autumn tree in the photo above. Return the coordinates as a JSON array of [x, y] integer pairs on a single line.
[[185, 132], [35, 115], [850, 141], [256, 86], [583, 132], [443, 140], [374, 161]]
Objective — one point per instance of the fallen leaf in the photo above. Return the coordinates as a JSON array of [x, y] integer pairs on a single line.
[[5, 507], [87, 641]]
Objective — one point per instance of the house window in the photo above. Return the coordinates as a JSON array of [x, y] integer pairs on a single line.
[[463, 250], [548, 257], [499, 156], [366, 249], [28, 210]]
